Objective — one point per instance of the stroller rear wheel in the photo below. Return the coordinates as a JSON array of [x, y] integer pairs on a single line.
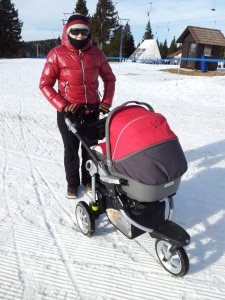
[[176, 263], [85, 219]]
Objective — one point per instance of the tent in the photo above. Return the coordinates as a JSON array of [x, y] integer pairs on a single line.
[[148, 50]]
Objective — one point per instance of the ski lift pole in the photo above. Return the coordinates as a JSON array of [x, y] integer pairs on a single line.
[[121, 43], [121, 38]]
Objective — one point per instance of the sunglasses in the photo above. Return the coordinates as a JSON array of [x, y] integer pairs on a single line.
[[83, 32]]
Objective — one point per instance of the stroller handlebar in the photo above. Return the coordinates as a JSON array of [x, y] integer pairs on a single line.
[[139, 103], [70, 125]]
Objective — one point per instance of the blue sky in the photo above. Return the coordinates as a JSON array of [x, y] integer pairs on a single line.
[[43, 19]]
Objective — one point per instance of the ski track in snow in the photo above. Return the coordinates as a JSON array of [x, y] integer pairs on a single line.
[[43, 255]]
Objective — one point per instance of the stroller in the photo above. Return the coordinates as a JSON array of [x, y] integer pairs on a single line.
[[134, 179]]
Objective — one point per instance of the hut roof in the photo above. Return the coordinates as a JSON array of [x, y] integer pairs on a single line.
[[204, 36]]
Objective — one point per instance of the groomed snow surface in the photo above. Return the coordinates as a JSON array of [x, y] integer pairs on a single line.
[[43, 255]]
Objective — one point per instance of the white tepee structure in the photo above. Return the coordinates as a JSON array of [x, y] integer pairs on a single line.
[[148, 50]]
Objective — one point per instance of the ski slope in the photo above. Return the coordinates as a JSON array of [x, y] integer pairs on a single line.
[[44, 256]]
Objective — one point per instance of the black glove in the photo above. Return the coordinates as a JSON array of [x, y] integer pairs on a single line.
[[104, 108], [71, 108]]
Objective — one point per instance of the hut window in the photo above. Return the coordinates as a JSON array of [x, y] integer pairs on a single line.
[[207, 50], [192, 49]]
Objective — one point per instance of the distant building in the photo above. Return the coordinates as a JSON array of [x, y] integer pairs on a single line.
[[197, 42], [176, 55], [148, 51]]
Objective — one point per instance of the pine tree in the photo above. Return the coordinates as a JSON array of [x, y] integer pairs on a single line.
[[148, 32], [173, 46], [103, 22], [10, 29], [113, 48], [122, 38], [81, 8], [163, 49], [128, 42]]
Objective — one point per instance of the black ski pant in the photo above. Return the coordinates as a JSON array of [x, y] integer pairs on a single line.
[[74, 175]]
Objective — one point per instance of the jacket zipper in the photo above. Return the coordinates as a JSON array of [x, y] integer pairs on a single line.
[[66, 86], [83, 77]]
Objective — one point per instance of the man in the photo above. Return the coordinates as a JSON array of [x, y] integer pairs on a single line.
[[77, 65]]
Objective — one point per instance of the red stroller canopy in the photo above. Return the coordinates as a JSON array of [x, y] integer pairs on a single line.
[[134, 128]]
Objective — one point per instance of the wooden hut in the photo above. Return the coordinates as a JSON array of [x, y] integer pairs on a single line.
[[197, 42]]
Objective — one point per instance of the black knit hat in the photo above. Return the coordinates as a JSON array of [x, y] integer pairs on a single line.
[[77, 17]]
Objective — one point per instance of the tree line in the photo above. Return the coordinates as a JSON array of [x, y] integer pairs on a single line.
[[114, 39]]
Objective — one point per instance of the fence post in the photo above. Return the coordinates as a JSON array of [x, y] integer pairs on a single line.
[[203, 64]]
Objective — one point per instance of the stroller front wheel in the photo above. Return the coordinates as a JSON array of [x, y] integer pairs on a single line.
[[85, 219], [176, 263]]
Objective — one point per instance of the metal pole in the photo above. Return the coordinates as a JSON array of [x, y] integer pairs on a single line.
[[121, 43], [121, 39]]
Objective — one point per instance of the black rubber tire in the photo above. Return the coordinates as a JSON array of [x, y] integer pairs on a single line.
[[85, 218], [177, 264]]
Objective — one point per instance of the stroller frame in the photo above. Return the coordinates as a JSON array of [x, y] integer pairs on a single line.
[[110, 195]]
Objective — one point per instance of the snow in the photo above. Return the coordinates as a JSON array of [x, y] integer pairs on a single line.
[[43, 255]]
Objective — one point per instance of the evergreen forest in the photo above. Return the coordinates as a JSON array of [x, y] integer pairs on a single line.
[[114, 39]]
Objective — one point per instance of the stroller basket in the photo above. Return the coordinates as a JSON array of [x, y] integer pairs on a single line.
[[145, 214]]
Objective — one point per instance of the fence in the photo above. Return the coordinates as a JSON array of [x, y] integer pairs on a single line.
[[203, 60]]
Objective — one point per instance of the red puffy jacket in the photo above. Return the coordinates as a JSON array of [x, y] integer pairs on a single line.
[[77, 73]]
